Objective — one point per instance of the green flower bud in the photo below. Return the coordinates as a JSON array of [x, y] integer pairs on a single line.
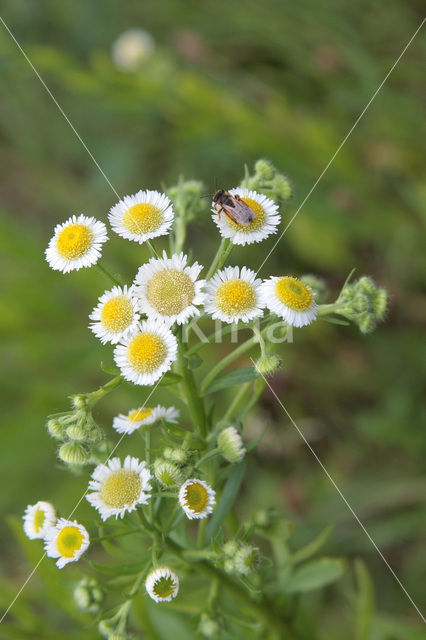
[[118, 636], [88, 595], [367, 323], [282, 187], [229, 565], [106, 628], [267, 365], [179, 456], [55, 429], [265, 169], [230, 548], [261, 519], [380, 303], [95, 434], [366, 285], [78, 401], [82, 597], [360, 303], [246, 559], [317, 285], [230, 443], [167, 473], [76, 432], [208, 627], [74, 453]]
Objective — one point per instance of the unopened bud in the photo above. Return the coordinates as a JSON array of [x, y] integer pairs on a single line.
[[208, 627], [55, 429], [78, 401], [380, 303], [318, 286], [367, 323], [167, 473], [360, 303], [281, 185], [230, 443], [178, 455], [246, 559], [366, 285], [265, 169], [267, 365], [74, 453], [76, 432]]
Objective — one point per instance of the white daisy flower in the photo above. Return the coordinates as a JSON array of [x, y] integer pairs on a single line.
[[162, 584], [196, 498], [144, 416], [116, 316], [231, 445], [234, 294], [264, 223], [290, 299], [168, 289], [38, 518], [76, 243], [67, 540], [145, 355], [142, 216], [118, 489]]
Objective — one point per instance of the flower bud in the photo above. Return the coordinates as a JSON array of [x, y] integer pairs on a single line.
[[367, 323], [76, 432], [246, 559], [366, 285], [74, 453], [208, 627], [179, 456], [360, 303], [167, 473], [230, 548], [265, 169], [55, 429], [267, 365], [78, 401], [88, 595], [106, 628], [318, 286], [282, 187], [230, 443], [380, 303]]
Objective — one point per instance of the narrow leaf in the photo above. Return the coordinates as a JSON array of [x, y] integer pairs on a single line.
[[245, 374], [226, 500], [364, 602], [316, 574], [312, 547]]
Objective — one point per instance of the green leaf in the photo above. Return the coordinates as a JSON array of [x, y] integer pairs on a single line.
[[345, 323], [316, 574], [113, 371], [226, 500], [245, 374], [364, 602], [312, 547], [170, 378], [194, 361]]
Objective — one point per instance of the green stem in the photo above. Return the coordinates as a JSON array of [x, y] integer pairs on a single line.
[[116, 535], [107, 274], [325, 309], [236, 353], [221, 257], [223, 331], [195, 403], [151, 248], [243, 390], [95, 396]]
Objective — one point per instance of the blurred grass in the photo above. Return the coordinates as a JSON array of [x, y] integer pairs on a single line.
[[226, 85]]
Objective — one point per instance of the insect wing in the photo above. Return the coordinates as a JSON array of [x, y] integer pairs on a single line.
[[239, 212]]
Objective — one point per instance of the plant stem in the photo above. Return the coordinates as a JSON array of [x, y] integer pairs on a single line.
[[193, 399], [221, 257], [107, 274], [151, 248], [236, 353], [97, 395], [244, 388]]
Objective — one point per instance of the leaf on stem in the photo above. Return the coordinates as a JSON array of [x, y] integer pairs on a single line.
[[239, 376], [226, 500]]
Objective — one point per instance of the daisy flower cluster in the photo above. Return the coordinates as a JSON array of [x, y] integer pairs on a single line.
[[186, 468]]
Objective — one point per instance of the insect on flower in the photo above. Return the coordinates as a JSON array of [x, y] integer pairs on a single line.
[[233, 207]]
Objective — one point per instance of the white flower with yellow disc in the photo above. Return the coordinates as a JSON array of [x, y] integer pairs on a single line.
[[234, 295], [38, 518], [290, 299], [76, 243], [143, 417], [116, 315], [196, 498], [264, 223], [162, 584], [142, 216], [119, 489], [147, 353], [67, 540], [168, 288]]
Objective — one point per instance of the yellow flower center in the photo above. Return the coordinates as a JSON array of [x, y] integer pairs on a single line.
[[294, 294], [196, 497], [74, 241], [258, 219], [140, 414], [69, 541], [121, 488], [117, 314], [235, 297], [170, 291], [146, 352], [164, 587], [142, 218], [39, 519]]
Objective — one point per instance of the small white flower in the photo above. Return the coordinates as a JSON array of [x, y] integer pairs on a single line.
[[144, 416], [142, 216], [116, 316], [162, 584], [67, 540], [290, 299], [234, 294], [168, 289], [76, 243], [131, 48], [38, 518], [196, 498], [264, 223], [117, 488], [231, 445], [147, 353]]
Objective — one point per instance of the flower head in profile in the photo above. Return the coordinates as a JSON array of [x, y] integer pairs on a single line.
[[38, 518], [234, 295], [290, 299], [162, 584], [142, 216], [168, 288], [196, 498], [265, 220], [231, 445], [147, 353], [144, 417], [76, 243], [67, 541], [116, 315], [119, 489]]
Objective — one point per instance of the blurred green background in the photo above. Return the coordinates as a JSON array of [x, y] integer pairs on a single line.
[[227, 82]]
